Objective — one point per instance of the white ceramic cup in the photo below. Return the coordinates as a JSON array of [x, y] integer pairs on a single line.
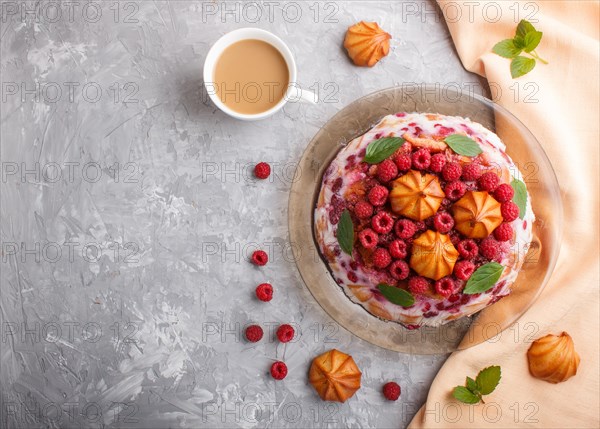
[[293, 93]]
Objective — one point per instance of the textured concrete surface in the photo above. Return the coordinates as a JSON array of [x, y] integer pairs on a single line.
[[128, 212]]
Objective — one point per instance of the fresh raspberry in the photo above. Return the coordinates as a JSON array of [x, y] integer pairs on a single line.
[[279, 370], [254, 333], [463, 270], [418, 285], [382, 222], [504, 232], [391, 391], [404, 229], [504, 193], [509, 211], [443, 222], [471, 172], [399, 270], [451, 171], [285, 333], [403, 162], [381, 258], [264, 292], [398, 249], [421, 159], [368, 238], [363, 210], [420, 225], [437, 162], [489, 248], [262, 170], [488, 181], [260, 258], [468, 249], [387, 171], [445, 287], [455, 190], [378, 195]]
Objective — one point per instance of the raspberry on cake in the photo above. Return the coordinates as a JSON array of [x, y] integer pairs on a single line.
[[424, 220]]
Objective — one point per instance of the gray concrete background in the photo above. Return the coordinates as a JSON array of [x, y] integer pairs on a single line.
[[128, 212]]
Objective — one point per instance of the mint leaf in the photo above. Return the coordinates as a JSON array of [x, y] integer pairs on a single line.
[[396, 295], [532, 40], [382, 149], [465, 395], [519, 42], [463, 145], [345, 232], [507, 49], [472, 385], [520, 66], [520, 197], [484, 278], [488, 379], [523, 28]]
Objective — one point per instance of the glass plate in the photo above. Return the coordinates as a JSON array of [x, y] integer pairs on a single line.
[[353, 121]]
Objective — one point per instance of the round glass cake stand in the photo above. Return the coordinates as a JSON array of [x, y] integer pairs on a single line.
[[522, 147]]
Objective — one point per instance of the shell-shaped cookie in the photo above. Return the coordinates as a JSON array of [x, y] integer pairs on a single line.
[[366, 43], [335, 376]]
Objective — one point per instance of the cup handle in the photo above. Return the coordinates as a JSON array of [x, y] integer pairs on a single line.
[[308, 96]]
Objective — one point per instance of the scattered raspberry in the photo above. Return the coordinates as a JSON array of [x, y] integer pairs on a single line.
[[504, 193], [451, 171], [418, 285], [468, 249], [404, 228], [378, 195], [399, 270], [391, 391], [398, 249], [510, 211], [254, 333], [421, 159], [387, 171], [381, 258], [279, 370], [437, 162], [403, 162], [463, 270], [264, 292], [455, 190], [363, 210], [260, 258], [471, 172], [368, 238], [504, 232], [382, 222], [285, 333], [489, 248], [443, 222], [420, 225], [488, 181], [445, 287], [262, 170]]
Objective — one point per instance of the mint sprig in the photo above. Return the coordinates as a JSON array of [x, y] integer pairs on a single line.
[[526, 39], [463, 145], [345, 232], [484, 384], [382, 149], [520, 197], [484, 278], [396, 295]]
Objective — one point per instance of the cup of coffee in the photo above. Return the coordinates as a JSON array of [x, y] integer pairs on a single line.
[[251, 73]]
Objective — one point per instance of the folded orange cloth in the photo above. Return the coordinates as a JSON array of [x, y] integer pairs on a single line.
[[565, 119]]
